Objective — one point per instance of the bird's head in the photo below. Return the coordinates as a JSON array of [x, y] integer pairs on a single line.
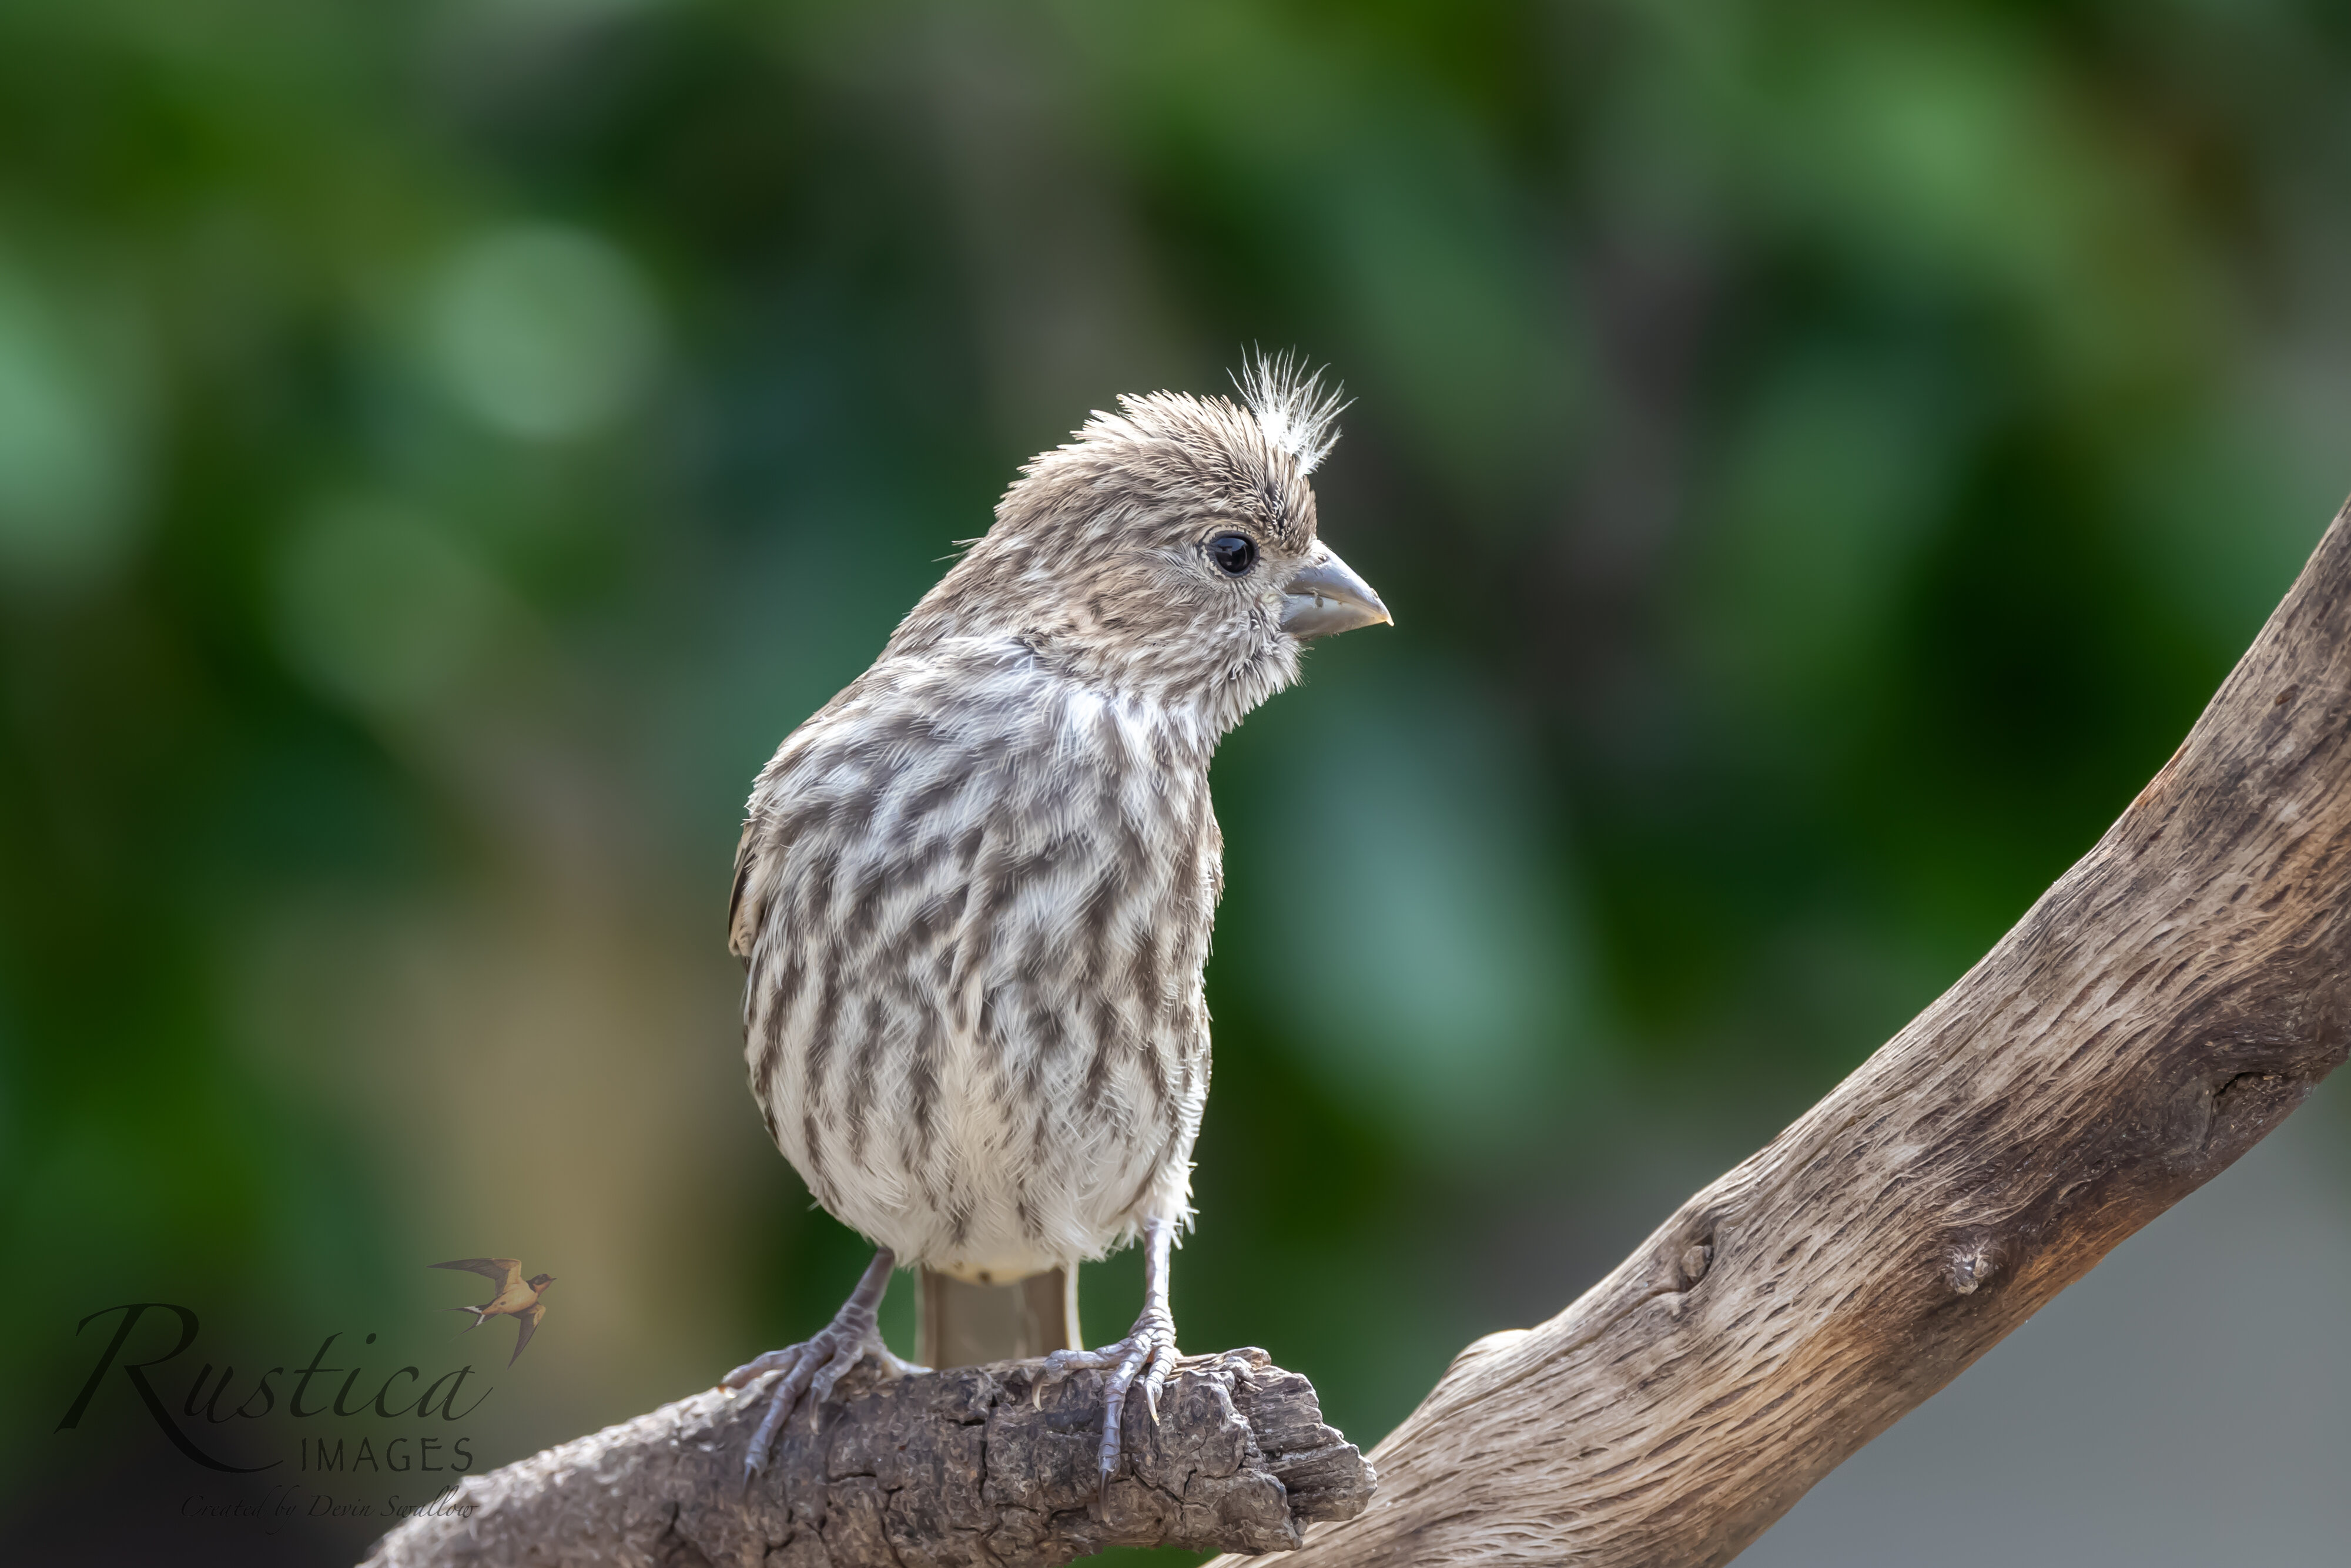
[[1168, 552], [541, 1281]]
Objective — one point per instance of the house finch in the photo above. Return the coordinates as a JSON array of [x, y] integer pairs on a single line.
[[974, 892]]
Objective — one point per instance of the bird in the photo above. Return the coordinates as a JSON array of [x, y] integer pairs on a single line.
[[518, 1297], [974, 893]]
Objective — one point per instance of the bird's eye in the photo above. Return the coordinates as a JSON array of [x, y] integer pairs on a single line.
[[1233, 553]]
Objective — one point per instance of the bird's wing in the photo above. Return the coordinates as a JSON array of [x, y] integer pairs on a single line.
[[530, 1320], [743, 913], [772, 823], [506, 1271]]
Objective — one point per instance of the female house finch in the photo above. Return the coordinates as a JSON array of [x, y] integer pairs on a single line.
[[974, 893]]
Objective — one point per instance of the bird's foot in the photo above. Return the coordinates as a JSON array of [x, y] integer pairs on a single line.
[[811, 1367], [1148, 1353]]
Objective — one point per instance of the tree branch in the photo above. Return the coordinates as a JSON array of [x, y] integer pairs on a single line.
[[2161, 1008], [2166, 1004], [944, 1468]]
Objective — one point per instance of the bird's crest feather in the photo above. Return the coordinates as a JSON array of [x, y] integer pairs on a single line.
[[1298, 413]]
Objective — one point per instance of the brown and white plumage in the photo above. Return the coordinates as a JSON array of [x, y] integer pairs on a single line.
[[975, 892], [976, 923]]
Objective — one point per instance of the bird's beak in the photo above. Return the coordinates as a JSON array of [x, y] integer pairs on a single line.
[[1325, 597]]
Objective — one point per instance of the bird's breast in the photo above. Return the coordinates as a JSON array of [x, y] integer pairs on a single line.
[[974, 1013]]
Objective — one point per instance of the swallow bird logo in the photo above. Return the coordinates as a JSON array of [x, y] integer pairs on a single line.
[[520, 1299]]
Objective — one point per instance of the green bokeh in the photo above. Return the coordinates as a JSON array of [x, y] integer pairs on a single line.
[[1821, 457]]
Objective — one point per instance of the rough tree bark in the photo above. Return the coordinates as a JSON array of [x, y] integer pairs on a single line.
[[2162, 1007], [977, 1465]]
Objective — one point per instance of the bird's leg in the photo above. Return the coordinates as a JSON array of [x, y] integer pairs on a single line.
[[813, 1366], [1147, 1352]]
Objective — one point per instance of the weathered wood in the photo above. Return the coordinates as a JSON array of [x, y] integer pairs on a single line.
[[2162, 1007], [945, 1468]]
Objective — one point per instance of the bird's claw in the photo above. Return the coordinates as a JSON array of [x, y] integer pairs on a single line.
[[1148, 1352], [811, 1367]]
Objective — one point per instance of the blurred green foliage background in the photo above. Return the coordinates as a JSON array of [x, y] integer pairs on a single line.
[[1821, 457]]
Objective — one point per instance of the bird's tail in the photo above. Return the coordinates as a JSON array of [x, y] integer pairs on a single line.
[[478, 1315], [963, 1325]]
